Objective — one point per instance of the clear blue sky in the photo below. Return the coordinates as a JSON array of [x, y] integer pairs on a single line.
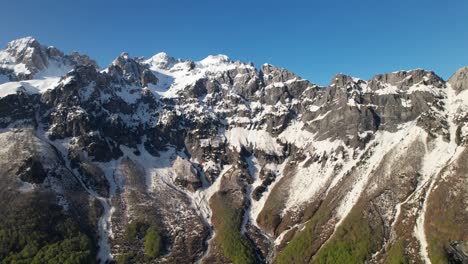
[[315, 39]]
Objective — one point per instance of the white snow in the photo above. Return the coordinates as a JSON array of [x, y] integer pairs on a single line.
[[388, 89], [15, 87], [313, 108], [175, 79], [352, 102], [320, 117], [424, 88], [129, 94], [276, 85], [419, 87], [406, 102], [254, 170], [280, 237], [258, 139], [296, 134], [176, 75], [365, 133], [54, 69], [434, 161], [8, 61], [306, 183], [439, 154], [386, 141], [44, 80], [161, 60], [214, 60]]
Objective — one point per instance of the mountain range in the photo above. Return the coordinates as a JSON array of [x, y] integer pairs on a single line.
[[165, 160]]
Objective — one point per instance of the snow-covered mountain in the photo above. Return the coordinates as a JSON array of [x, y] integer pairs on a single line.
[[167, 160]]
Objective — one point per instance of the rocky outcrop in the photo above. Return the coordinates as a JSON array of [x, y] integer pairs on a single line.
[[405, 79], [131, 71], [271, 74], [186, 175], [459, 80], [458, 252]]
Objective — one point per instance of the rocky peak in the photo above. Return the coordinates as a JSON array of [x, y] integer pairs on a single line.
[[29, 53], [132, 70], [162, 61], [341, 80], [122, 60], [213, 60], [345, 84], [459, 80], [19, 46], [272, 74], [80, 59], [405, 79], [23, 58]]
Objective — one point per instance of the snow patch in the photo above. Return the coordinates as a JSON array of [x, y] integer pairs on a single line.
[[44, 80], [388, 89], [385, 142], [257, 139], [440, 153], [296, 134], [406, 102], [175, 75], [313, 108]]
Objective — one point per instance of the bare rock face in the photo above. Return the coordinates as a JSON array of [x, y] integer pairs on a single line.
[[147, 77], [186, 175], [405, 79], [200, 88], [131, 71], [272, 74], [459, 80], [458, 252]]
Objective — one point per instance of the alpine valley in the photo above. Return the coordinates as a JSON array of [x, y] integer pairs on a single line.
[[163, 160]]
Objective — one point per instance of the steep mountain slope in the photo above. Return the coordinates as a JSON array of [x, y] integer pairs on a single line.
[[174, 161]]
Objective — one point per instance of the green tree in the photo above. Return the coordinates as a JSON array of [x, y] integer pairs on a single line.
[[152, 242]]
